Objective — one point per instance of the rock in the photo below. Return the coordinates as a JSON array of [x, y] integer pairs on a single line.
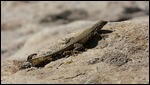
[[118, 56], [123, 60]]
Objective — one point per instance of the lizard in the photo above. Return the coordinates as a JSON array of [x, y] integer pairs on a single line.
[[75, 43]]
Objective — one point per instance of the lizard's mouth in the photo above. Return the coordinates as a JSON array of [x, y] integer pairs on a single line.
[[103, 23]]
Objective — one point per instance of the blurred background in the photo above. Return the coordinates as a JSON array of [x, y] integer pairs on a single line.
[[121, 56], [22, 19]]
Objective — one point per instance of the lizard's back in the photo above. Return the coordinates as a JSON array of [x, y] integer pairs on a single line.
[[82, 38]]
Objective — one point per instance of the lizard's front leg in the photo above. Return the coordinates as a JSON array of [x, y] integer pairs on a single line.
[[96, 32]]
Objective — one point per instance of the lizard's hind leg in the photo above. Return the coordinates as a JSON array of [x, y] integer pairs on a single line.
[[31, 56], [77, 48]]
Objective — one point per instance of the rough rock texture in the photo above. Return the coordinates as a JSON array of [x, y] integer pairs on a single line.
[[120, 55]]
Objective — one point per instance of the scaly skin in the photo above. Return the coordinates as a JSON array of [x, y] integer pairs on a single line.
[[80, 39]]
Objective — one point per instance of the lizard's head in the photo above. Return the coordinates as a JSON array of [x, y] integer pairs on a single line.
[[100, 24], [103, 22]]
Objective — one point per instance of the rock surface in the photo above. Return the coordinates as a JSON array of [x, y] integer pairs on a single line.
[[120, 55]]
